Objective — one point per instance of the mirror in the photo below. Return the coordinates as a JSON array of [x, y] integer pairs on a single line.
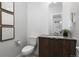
[[56, 18], [57, 24]]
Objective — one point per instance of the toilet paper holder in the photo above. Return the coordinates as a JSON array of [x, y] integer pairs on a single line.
[[18, 42]]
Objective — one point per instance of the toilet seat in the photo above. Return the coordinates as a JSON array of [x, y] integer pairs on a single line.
[[27, 49]]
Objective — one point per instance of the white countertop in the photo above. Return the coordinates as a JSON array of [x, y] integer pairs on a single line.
[[57, 37]]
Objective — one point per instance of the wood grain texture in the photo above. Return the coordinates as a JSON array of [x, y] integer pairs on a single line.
[[52, 47]]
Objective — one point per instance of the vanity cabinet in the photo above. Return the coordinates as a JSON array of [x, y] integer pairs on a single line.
[[57, 47]]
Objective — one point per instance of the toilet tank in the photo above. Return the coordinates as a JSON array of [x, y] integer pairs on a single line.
[[32, 40]]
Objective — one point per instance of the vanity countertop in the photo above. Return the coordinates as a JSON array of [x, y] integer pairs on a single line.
[[57, 37]]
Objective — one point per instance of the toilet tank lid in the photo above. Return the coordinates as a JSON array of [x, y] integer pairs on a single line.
[[33, 36]]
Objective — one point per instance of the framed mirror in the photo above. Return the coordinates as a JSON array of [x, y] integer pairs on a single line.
[[57, 24], [7, 19]]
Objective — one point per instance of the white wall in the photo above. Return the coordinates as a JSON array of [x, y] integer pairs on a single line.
[[66, 15], [75, 32], [9, 48], [37, 18], [67, 9]]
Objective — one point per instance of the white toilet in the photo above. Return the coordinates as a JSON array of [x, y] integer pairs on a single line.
[[29, 48], [77, 51]]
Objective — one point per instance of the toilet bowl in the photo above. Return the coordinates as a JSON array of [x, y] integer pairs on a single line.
[[77, 51], [77, 48], [29, 48]]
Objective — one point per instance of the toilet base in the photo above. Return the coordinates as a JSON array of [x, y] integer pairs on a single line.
[[21, 55], [77, 51]]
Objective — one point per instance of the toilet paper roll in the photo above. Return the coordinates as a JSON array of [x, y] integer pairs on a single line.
[[19, 42]]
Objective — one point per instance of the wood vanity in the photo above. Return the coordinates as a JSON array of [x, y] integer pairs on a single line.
[[51, 46]]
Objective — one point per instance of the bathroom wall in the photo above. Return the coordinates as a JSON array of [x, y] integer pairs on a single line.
[[66, 15], [20, 21], [75, 32], [69, 7], [9, 48], [37, 18]]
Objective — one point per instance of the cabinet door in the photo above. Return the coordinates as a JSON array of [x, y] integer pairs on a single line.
[[55, 48], [66, 48], [59, 48], [43, 47], [73, 48]]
